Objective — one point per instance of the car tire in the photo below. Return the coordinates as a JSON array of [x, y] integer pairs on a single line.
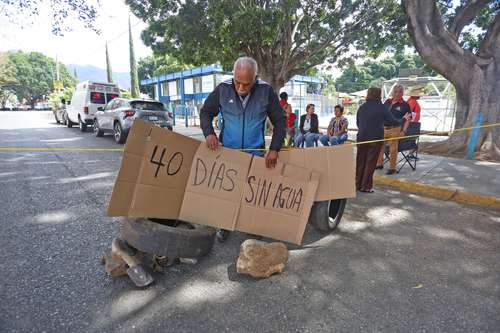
[[69, 123], [82, 125], [64, 120], [57, 119], [170, 238], [326, 215], [118, 133], [97, 131]]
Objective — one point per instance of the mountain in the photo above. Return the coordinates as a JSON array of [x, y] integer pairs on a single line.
[[93, 73]]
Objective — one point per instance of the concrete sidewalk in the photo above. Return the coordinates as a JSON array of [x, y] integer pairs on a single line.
[[465, 181]]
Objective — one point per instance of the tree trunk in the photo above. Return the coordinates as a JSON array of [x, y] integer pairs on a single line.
[[481, 95], [476, 77], [271, 78]]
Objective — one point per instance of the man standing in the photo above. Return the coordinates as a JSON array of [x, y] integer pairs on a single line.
[[399, 108], [244, 103]]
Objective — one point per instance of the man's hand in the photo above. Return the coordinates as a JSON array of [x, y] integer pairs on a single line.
[[271, 159], [212, 142]]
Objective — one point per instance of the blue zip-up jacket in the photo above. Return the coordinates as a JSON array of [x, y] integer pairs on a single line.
[[243, 128]]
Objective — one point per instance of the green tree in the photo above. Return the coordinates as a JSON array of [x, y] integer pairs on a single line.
[[109, 72], [329, 87], [134, 79], [7, 79], [359, 77], [35, 74], [285, 37], [461, 41]]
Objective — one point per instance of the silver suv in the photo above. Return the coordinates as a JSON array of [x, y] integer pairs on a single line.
[[119, 114]]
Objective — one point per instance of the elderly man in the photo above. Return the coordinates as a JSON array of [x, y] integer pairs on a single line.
[[244, 103], [392, 129]]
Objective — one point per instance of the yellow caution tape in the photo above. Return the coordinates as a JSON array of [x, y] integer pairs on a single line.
[[242, 149]]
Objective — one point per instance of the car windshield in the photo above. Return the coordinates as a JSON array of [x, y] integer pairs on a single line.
[[147, 106], [97, 97]]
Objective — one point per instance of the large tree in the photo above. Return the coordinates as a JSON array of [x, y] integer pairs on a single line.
[[286, 37], [462, 43], [8, 79], [35, 75]]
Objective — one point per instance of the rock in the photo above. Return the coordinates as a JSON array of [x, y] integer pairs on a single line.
[[115, 266], [260, 259], [189, 261]]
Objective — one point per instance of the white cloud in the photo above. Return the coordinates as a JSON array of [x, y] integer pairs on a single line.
[[80, 46]]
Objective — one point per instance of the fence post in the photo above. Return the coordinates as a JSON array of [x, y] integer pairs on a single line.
[[186, 116], [474, 136]]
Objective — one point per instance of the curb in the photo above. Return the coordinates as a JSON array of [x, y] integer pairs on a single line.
[[440, 193]]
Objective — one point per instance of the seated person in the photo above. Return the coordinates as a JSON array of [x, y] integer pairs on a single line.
[[309, 130], [337, 129]]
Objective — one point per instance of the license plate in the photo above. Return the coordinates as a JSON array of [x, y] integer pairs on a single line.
[[153, 118]]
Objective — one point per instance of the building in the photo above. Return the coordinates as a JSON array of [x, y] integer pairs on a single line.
[[188, 89]]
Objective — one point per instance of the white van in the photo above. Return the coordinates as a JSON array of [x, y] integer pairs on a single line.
[[88, 96]]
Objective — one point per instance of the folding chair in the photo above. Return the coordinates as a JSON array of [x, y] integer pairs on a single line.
[[408, 148]]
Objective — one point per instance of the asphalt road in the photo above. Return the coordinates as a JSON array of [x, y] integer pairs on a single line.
[[398, 263]]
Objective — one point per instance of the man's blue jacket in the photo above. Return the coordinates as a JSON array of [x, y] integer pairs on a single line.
[[243, 127]]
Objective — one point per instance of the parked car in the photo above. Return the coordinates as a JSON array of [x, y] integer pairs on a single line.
[[88, 96], [119, 115]]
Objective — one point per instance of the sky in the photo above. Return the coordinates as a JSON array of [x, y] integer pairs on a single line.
[[80, 46]]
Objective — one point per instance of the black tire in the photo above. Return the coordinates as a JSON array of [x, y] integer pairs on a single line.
[[170, 238], [69, 123], [326, 215], [65, 120], [97, 131], [57, 119], [118, 133], [82, 125]]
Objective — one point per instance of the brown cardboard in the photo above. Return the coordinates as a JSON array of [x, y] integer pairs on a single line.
[[336, 166], [215, 186], [149, 185], [277, 203], [167, 175]]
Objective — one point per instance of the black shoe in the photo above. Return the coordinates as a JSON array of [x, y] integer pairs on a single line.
[[222, 235], [379, 167], [390, 172]]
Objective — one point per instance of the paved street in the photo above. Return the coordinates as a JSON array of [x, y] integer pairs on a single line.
[[398, 263]]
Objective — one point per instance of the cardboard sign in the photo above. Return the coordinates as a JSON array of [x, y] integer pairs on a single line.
[[168, 175], [154, 172], [336, 166], [232, 190]]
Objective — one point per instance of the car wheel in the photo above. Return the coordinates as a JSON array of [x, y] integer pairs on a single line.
[[326, 215], [170, 238], [82, 125], [118, 133], [97, 131], [64, 120], [57, 119], [69, 123]]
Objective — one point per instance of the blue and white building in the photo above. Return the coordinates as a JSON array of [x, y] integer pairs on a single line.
[[188, 89]]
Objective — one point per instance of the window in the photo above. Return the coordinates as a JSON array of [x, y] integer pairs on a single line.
[[197, 84], [154, 106], [111, 105], [110, 97], [164, 89], [97, 97]]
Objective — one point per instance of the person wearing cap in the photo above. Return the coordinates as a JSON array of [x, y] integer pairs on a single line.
[[415, 93]]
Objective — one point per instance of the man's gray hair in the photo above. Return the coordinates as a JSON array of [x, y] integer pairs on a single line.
[[246, 62], [398, 86]]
